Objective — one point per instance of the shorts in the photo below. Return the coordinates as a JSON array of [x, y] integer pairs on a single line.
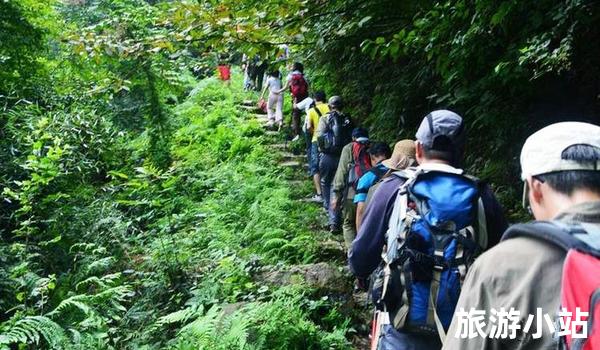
[[313, 165]]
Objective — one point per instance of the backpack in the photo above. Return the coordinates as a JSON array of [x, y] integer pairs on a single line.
[[337, 133], [580, 286], [436, 229], [361, 162], [298, 87]]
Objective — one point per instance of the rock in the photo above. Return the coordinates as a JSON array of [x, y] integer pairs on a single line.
[[322, 276], [228, 309], [291, 164], [253, 109], [361, 343], [331, 249], [280, 146]]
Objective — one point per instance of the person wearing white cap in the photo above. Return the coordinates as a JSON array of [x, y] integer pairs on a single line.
[[561, 175]]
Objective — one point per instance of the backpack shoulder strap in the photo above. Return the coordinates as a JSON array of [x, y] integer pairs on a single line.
[[396, 223], [319, 113], [560, 234], [360, 156], [378, 171]]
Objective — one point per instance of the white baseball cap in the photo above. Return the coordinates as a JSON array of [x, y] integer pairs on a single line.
[[542, 152]]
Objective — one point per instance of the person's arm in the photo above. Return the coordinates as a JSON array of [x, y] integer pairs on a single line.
[[341, 174], [360, 212], [285, 87], [262, 96], [367, 247], [360, 198]]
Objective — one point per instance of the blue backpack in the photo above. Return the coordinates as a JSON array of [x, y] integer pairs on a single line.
[[436, 230]]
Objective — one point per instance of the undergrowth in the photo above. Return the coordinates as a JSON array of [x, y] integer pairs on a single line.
[[109, 251]]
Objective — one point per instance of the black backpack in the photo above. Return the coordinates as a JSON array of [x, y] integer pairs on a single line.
[[337, 133]]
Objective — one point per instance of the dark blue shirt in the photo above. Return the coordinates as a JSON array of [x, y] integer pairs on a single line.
[[365, 254]]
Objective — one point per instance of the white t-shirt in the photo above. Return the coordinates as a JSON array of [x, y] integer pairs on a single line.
[[274, 84]]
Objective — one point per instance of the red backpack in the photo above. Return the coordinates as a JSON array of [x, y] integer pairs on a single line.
[[361, 162], [580, 287], [298, 87]]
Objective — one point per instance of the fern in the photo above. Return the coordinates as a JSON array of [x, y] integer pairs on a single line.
[[31, 329], [77, 302], [236, 336], [182, 315]]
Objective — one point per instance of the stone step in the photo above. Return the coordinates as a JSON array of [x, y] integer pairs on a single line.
[[309, 200], [279, 146], [292, 164], [253, 109], [321, 276], [292, 156]]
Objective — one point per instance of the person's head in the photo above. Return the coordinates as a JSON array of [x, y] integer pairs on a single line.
[[560, 167], [336, 103], [440, 138], [298, 66], [274, 74], [379, 151], [320, 96], [403, 155], [360, 134]]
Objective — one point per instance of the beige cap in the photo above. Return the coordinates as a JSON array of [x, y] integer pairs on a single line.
[[542, 151], [403, 155]]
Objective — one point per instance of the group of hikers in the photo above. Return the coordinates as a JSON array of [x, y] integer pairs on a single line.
[[431, 243]]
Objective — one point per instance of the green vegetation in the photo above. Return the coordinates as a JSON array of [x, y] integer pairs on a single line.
[[139, 203], [146, 258]]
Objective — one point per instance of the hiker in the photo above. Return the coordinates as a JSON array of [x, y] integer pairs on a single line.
[[275, 102], [354, 162], [462, 213], [530, 269], [298, 86], [382, 160], [224, 68], [259, 73], [305, 105], [334, 131], [319, 109], [249, 67]]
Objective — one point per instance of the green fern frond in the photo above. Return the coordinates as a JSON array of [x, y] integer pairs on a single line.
[[182, 315], [77, 302], [205, 326], [30, 330]]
